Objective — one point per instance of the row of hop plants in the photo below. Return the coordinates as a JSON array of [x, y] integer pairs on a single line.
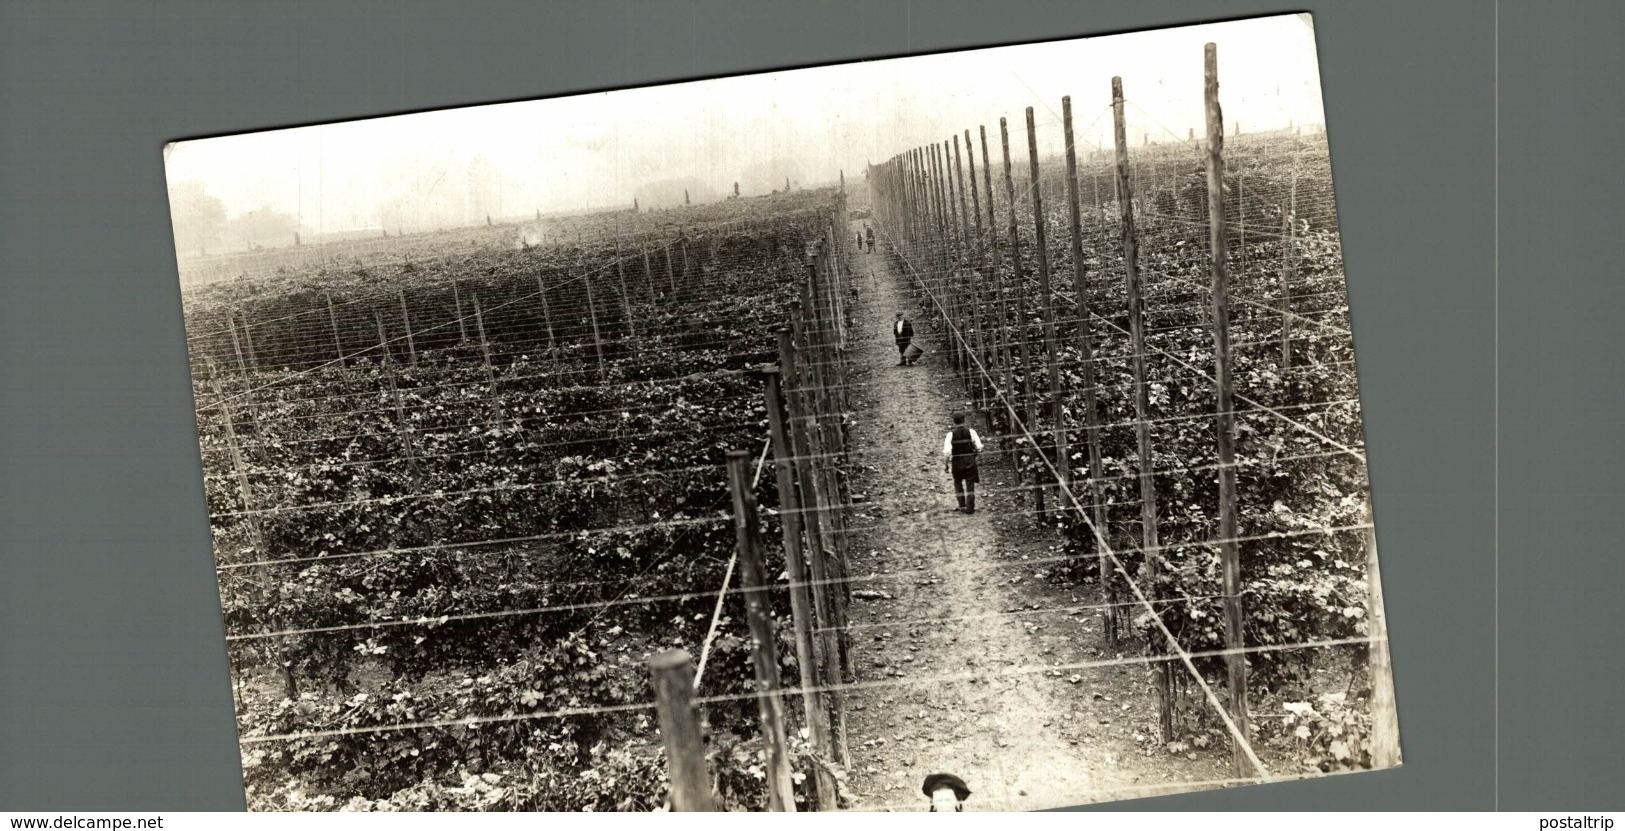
[[1296, 588], [599, 473]]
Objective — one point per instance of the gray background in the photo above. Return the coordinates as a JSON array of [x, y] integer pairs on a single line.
[[113, 680]]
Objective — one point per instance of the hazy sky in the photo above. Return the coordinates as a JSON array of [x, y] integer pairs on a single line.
[[592, 151]]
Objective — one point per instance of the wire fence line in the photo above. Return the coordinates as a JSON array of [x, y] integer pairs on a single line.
[[291, 446]]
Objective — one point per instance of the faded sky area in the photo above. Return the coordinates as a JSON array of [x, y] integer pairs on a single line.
[[592, 151]]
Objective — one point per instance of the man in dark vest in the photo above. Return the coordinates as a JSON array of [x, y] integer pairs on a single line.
[[959, 449], [902, 332]]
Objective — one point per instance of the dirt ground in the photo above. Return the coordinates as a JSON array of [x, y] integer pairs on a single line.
[[970, 643]]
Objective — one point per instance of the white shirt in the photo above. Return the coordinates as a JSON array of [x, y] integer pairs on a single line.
[[898, 329], [948, 442]]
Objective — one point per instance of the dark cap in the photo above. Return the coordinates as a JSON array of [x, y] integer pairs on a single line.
[[937, 781]]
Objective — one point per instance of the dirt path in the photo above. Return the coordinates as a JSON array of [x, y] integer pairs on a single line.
[[970, 633]]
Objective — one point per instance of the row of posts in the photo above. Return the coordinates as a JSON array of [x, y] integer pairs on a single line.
[[806, 399], [921, 197]]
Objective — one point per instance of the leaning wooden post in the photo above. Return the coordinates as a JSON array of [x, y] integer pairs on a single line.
[[671, 276], [812, 447], [790, 513], [485, 347], [673, 675], [1142, 405], [1229, 555], [764, 646], [1025, 393], [1384, 713], [1091, 411], [968, 303], [1046, 298], [626, 299], [290, 685], [1289, 253], [648, 275], [247, 345], [547, 314], [462, 323], [333, 320], [597, 338], [1000, 327], [978, 315], [395, 393], [406, 323]]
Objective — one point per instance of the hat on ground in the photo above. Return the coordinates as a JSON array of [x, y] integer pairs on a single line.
[[937, 781]]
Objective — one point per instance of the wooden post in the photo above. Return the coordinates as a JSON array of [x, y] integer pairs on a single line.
[[764, 646], [1142, 405], [592, 314], [1384, 714], [237, 346], [967, 293], [547, 314], [810, 448], [1000, 325], [1289, 254], [978, 323], [950, 258], [284, 668], [332, 318], [406, 323], [626, 299], [1046, 299], [462, 324], [485, 348], [808, 659], [248, 341], [1091, 411], [673, 675], [1229, 555], [671, 276], [1019, 330], [395, 393]]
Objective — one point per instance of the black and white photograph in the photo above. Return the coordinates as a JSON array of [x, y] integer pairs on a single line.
[[973, 431]]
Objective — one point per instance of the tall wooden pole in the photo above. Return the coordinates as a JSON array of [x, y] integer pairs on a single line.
[[333, 320], [1091, 410], [673, 675], [980, 263], [547, 313], [462, 323], [764, 646], [1229, 555], [395, 393], [406, 322], [626, 299], [1019, 330], [790, 512], [968, 267], [1289, 253], [809, 447], [1142, 405], [284, 666], [1000, 326], [592, 314], [485, 346], [1046, 297]]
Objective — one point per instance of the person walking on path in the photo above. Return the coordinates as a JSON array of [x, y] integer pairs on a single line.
[[959, 449], [902, 332], [870, 234], [860, 241]]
